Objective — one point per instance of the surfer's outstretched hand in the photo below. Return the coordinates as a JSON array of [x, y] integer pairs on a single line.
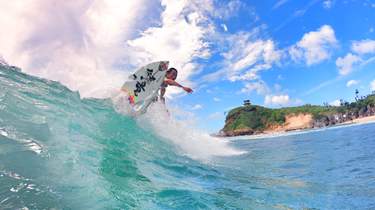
[[187, 89]]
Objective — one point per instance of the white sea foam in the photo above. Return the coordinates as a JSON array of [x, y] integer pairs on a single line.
[[2, 61], [29, 143], [181, 133], [121, 104]]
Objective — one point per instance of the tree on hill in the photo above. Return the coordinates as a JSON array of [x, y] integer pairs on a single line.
[[342, 102], [356, 95]]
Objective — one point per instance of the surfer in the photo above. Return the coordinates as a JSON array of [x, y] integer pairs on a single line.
[[170, 78]]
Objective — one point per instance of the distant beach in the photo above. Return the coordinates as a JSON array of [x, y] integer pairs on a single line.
[[361, 120], [270, 134]]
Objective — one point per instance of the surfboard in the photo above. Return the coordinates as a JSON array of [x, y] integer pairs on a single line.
[[143, 85]]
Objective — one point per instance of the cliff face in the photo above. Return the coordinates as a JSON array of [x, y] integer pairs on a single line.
[[292, 122], [250, 119]]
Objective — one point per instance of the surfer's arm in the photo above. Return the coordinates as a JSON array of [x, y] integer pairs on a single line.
[[174, 83]]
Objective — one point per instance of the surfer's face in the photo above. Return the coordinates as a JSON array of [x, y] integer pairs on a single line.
[[172, 75]]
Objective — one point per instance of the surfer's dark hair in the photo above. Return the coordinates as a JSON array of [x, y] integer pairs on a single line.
[[172, 69]]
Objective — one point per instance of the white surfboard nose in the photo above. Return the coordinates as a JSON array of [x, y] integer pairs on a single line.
[[144, 84]]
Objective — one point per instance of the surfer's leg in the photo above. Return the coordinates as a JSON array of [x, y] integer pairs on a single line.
[[162, 92]]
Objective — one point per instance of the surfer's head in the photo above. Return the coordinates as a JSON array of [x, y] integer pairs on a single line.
[[171, 73]]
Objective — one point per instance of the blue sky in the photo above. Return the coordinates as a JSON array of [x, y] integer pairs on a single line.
[[300, 82], [276, 53]]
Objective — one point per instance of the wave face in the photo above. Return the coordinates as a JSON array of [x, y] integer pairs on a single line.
[[58, 151]]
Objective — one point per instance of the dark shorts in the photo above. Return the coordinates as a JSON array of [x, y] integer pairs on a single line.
[[164, 85]]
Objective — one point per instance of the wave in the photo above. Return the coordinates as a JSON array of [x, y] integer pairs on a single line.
[[57, 149], [181, 134]]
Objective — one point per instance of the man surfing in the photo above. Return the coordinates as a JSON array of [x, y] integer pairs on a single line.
[[148, 84], [170, 78]]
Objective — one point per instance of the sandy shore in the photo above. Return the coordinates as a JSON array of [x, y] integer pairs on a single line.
[[364, 119]]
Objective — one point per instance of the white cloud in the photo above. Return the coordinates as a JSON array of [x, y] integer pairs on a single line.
[[345, 64], [247, 56], [181, 37], [252, 74], [364, 46], [315, 46], [327, 4], [352, 83], [280, 77], [279, 4], [216, 99], [335, 103], [75, 42], [279, 100], [225, 28], [321, 85], [81, 43], [372, 85], [196, 107], [228, 9], [244, 56], [260, 87], [216, 116]]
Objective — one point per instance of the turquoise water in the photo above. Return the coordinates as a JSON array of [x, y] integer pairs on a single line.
[[60, 151]]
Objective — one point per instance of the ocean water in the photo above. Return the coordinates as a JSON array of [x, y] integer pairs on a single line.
[[59, 151]]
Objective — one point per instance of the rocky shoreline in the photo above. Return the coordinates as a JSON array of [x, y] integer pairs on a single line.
[[299, 121]]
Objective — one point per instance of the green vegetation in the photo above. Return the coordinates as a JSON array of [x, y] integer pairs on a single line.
[[253, 118]]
